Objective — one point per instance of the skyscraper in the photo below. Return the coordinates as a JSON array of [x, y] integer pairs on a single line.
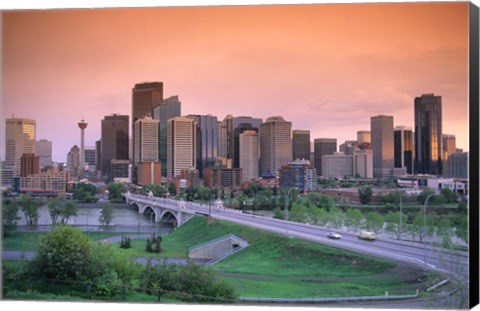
[[164, 110], [428, 134], [403, 148], [248, 154], [73, 162], [19, 139], [114, 141], [144, 97], [322, 147], [364, 137], [221, 139], [301, 144], [207, 139], [43, 149], [146, 140], [275, 145], [348, 147], [382, 145], [449, 145], [30, 164], [181, 142]]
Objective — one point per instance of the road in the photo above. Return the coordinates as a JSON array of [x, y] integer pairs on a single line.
[[412, 253]]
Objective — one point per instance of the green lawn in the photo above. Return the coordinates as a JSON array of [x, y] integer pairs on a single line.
[[28, 241]]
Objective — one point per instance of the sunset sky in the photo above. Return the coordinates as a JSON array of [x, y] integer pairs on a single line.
[[327, 68]]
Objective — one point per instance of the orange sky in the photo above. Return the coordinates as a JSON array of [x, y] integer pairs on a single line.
[[327, 67]]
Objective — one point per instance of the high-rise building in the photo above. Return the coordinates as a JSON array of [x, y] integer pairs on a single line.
[[248, 154], [164, 110], [43, 149], [275, 145], [364, 137], [144, 97], [348, 147], [181, 142], [90, 156], [19, 139], [114, 142], [403, 148], [222, 139], [449, 145], [458, 165], [337, 165], [73, 162], [428, 134], [323, 146], [382, 145], [98, 157], [207, 139], [301, 144], [235, 126], [29, 164], [363, 163], [146, 140], [299, 174]]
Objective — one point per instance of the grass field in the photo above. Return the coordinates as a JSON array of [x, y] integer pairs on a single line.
[[276, 266]]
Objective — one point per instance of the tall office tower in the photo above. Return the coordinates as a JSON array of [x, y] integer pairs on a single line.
[[348, 147], [458, 165], [428, 134], [323, 146], [146, 140], [248, 154], [90, 156], [301, 144], [364, 137], [73, 161], [222, 140], [114, 142], [275, 145], [403, 148], [145, 96], [207, 139], [43, 149], [19, 139], [82, 125], [449, 145], [382, 145], [164, 110], [98, 158], [29, 164], [235, 126], [363, 163], [181, 142]]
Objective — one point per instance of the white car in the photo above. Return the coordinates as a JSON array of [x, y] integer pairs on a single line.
[[333, 235]]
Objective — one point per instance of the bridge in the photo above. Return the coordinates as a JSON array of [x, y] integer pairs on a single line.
[[418, 254], [163, 209]]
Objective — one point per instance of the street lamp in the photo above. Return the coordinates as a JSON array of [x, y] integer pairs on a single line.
[[287, 196], [425, 228]]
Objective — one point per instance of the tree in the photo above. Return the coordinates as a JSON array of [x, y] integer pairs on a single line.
[[172, 189], [69, 209], [448, 195], [424, 194], [115, 191], [203, 193], [365, 194], [298, 213], [106, 215], [65, 254], [55, 210], [85, 192], [158, 190], [30, 209], [9, 217], [336, 217], [418, 226], [353, 218], [375, 221], [393, 224]]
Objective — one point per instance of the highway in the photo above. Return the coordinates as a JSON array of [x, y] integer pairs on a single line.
[[399, 251]]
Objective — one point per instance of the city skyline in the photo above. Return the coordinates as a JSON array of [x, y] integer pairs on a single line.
[[243, 61]]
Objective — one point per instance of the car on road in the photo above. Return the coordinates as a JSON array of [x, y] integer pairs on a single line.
[[366, 235], [333, 235]]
